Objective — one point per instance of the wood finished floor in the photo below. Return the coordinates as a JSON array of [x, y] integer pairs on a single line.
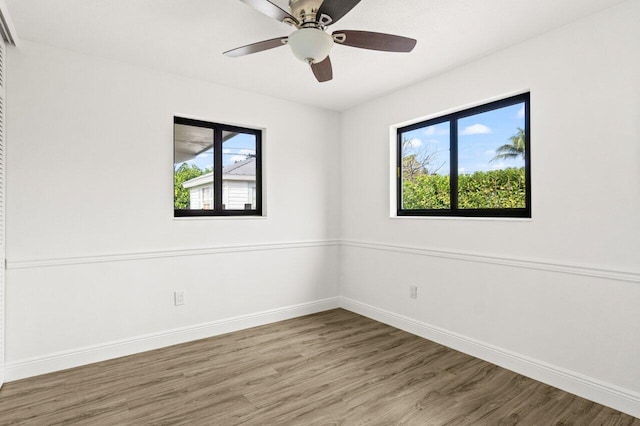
[[332, 368]]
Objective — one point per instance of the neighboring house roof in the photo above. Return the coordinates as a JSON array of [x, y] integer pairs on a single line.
[[204, 179], [242, 170]]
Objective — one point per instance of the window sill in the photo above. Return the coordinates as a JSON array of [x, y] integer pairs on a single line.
[[465, 218], [187, 218]]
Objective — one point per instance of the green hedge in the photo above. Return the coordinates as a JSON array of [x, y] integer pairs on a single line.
[[481, 190]]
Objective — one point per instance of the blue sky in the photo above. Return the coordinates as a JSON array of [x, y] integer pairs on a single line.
[[235, 149], [478, 138]]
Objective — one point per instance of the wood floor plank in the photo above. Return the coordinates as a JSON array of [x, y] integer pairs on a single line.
[[331, 368]]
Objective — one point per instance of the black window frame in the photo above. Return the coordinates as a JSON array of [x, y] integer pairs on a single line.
[[217, 210], [453, 118]]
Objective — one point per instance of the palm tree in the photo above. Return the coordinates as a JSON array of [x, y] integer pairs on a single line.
[[512, 150]]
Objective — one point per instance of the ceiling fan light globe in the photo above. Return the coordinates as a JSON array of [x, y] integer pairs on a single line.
[[310, 45]]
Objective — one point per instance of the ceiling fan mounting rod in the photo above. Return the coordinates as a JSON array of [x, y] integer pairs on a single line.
[[306, 12]]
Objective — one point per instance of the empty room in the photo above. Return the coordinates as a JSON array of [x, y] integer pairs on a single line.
[[320, 212]]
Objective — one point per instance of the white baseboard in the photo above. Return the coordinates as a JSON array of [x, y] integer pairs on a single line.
[[86, 355], [603, 393]]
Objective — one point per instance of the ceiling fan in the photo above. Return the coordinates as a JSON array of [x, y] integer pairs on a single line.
[[310, 42]]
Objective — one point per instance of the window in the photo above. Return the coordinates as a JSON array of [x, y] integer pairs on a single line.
[[217, 169], [474, 162]]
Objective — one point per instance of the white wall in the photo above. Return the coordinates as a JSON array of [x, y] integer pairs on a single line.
[[94, 251], [561, 290]]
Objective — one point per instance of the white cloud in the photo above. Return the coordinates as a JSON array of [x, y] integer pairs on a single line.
[[521, 112], [430, 131], [461, 170], [490, 153], [237, 158], [415, 143], [434, 130], [499, 166], [475, 129]]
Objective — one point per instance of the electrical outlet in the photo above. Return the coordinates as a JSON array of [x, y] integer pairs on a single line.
[[178, 297], [413, 291]]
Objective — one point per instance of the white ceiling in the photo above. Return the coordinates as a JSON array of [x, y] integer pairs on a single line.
[[187, 37]]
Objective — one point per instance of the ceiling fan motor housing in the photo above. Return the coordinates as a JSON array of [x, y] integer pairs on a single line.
[[305, 10]]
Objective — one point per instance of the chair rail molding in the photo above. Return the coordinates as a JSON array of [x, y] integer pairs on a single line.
[[516, 262], [156, 254]]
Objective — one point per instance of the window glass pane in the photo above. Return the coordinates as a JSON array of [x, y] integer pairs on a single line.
[[426, 167], [238, 171], [193, 168], [491, 165]]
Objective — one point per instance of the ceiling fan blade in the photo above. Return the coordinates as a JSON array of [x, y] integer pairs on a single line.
[[272, 10], [336, 9], [374, 41], [323, 70], [256, 47]]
